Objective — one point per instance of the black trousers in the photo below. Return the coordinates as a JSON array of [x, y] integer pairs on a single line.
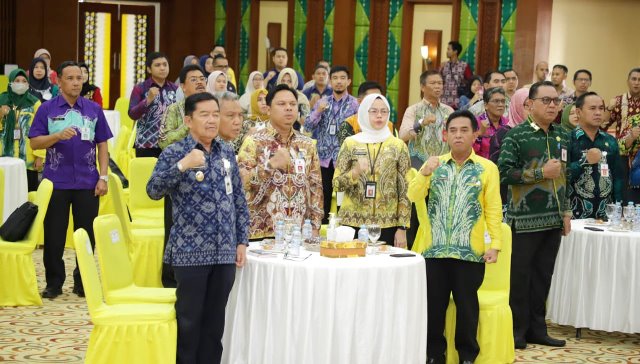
[[84, 205], [202, 295], [327, 189], [412, 231], [148, 152], [462, 278], [33, 180], [168, 278], [532, 262]]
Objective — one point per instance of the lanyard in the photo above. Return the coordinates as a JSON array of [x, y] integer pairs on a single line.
[[372, 163]]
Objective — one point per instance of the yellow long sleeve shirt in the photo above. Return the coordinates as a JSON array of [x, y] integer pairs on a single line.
[[464, 200]]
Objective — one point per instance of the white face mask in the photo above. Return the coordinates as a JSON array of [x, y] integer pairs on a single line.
[[19, 87]]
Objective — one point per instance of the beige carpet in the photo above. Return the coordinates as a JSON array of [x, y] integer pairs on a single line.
[[59, 331]]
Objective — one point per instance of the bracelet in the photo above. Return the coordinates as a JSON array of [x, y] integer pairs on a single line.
[[402, 228]]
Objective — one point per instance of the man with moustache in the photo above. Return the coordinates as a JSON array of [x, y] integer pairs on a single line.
[[533, 162], [324, 123]]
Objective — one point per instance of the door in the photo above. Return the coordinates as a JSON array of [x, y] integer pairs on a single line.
[[114, 42]]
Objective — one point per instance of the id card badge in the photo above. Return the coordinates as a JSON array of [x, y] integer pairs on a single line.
[[17, 134], [299, 166], [604, 170], [332, 129], [370, 190], [563, 155], [227, 184], [85, 133]]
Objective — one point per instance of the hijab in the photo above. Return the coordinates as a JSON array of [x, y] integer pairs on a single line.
[[211, 82], [37, 87], [203, 62], [188, 59], [40, 52], [516, 107], [256, 114], [291, 73], [564, 121], [11, 99], [368, 134], [249, 89], [87, 86]]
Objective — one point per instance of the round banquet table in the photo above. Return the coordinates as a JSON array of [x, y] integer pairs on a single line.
[[596, 281], [327, 310], [15, 184]]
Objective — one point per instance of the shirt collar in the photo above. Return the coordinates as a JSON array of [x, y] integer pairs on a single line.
[[473, 158], [191, 143], [274, 133], [437, 105], [63, 102], [580, 132], [149, 82], [535, 126]]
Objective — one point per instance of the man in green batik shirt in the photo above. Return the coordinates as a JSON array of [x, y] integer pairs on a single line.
[[533, 162], [596, 167]]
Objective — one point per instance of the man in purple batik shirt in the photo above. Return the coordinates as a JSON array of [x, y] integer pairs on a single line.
[[70, 128], [148, 102]]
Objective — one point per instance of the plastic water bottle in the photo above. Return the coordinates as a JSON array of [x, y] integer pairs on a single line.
[[618, 216], [363, 234], [279, 233], [296, 241], [307, 230]]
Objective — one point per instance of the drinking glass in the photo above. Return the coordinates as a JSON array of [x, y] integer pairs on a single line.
[[629, 216], [374, 234], [610, 210]]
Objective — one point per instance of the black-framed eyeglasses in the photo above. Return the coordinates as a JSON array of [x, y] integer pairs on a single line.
[[547, 100]]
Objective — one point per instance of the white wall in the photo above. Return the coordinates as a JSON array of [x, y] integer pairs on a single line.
[[599, 35], [427, 17], [271, 12]]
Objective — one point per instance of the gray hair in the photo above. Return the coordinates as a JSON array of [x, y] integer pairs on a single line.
[[492, 91], [226, 96]]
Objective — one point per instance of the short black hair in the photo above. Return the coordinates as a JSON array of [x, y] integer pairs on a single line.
[[189, 68], [633, 70], [533, 90], [64, 65], [492, 91], [424, 75], [510, 70], [319, 66], [337, 69], [192, 101], [575, 75], [463, 114], [218, 45], [469, 84], [281, 87], [274, 50], [152, 56], [580, 100], [368, 85], [456, 46], [487, 76], [219, 56], [562, 67]]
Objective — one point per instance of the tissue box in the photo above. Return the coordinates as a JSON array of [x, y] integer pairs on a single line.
[[350, 249]]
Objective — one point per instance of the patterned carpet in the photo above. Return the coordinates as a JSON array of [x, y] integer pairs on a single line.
[[59, 332]]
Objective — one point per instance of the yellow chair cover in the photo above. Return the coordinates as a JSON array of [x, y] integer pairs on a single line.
[[116, 268], [1, 194], [124, 333], [495, 327], [18, 284], [419, 244], [140, 205], [4, 83], [122, 106], [121, 154], [145, 237]]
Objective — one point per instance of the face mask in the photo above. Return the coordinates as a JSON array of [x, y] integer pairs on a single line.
[[19, 88]]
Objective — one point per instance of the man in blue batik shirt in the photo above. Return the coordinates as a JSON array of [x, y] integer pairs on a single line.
[[210, 227]]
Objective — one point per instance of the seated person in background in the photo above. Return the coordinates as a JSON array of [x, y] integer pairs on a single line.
[[89, 90], [473, 93], [351, 126], [259, 116], [491, 120], [217, 83], [254, 82], [371, 170], [596, 167]]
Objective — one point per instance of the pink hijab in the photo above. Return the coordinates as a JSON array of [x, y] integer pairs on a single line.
[[516, 107]]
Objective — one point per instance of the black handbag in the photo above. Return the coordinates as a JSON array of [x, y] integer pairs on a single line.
[[19, 222]]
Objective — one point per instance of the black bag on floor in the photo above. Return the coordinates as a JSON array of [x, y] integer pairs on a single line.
[[19, 222]]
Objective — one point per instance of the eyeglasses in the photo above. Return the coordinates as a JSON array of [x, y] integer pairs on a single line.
[[498, 101], [196, 79], [383, 112], [547, 100]]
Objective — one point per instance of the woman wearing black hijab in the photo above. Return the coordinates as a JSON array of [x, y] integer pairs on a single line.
[[39, 85], [89, 91]]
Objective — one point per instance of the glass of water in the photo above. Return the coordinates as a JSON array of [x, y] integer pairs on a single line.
[[374, 234]]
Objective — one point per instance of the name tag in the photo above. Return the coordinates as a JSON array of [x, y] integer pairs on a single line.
[[85, 133], [604, 170], [370, 190], [227, 184], [564, 155], [332, 129], [17, 134], [299, 165]]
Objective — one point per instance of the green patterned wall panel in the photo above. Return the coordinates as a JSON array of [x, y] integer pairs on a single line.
[[507, 34], [220, 24], [360, 44], [300, 34], [327, 33], [469, 31], [393, 55], [245, 30]]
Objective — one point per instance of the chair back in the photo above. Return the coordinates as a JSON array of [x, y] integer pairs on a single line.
[[497, 276], [120, 153], [113, 255], [89, 272], [140, 170], [4, 83], [43, 195], [119, 205], [122, 106]]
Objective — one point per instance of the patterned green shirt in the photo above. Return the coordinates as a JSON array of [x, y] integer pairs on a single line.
[[172, 127], [537, 203], [589, 190]]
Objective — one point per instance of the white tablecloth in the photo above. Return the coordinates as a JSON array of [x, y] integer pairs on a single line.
[[113, 119], [322, 310], [15, 184], [596, 282]]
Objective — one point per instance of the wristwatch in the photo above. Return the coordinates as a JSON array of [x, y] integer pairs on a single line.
[[105, 178], [402, 228]]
